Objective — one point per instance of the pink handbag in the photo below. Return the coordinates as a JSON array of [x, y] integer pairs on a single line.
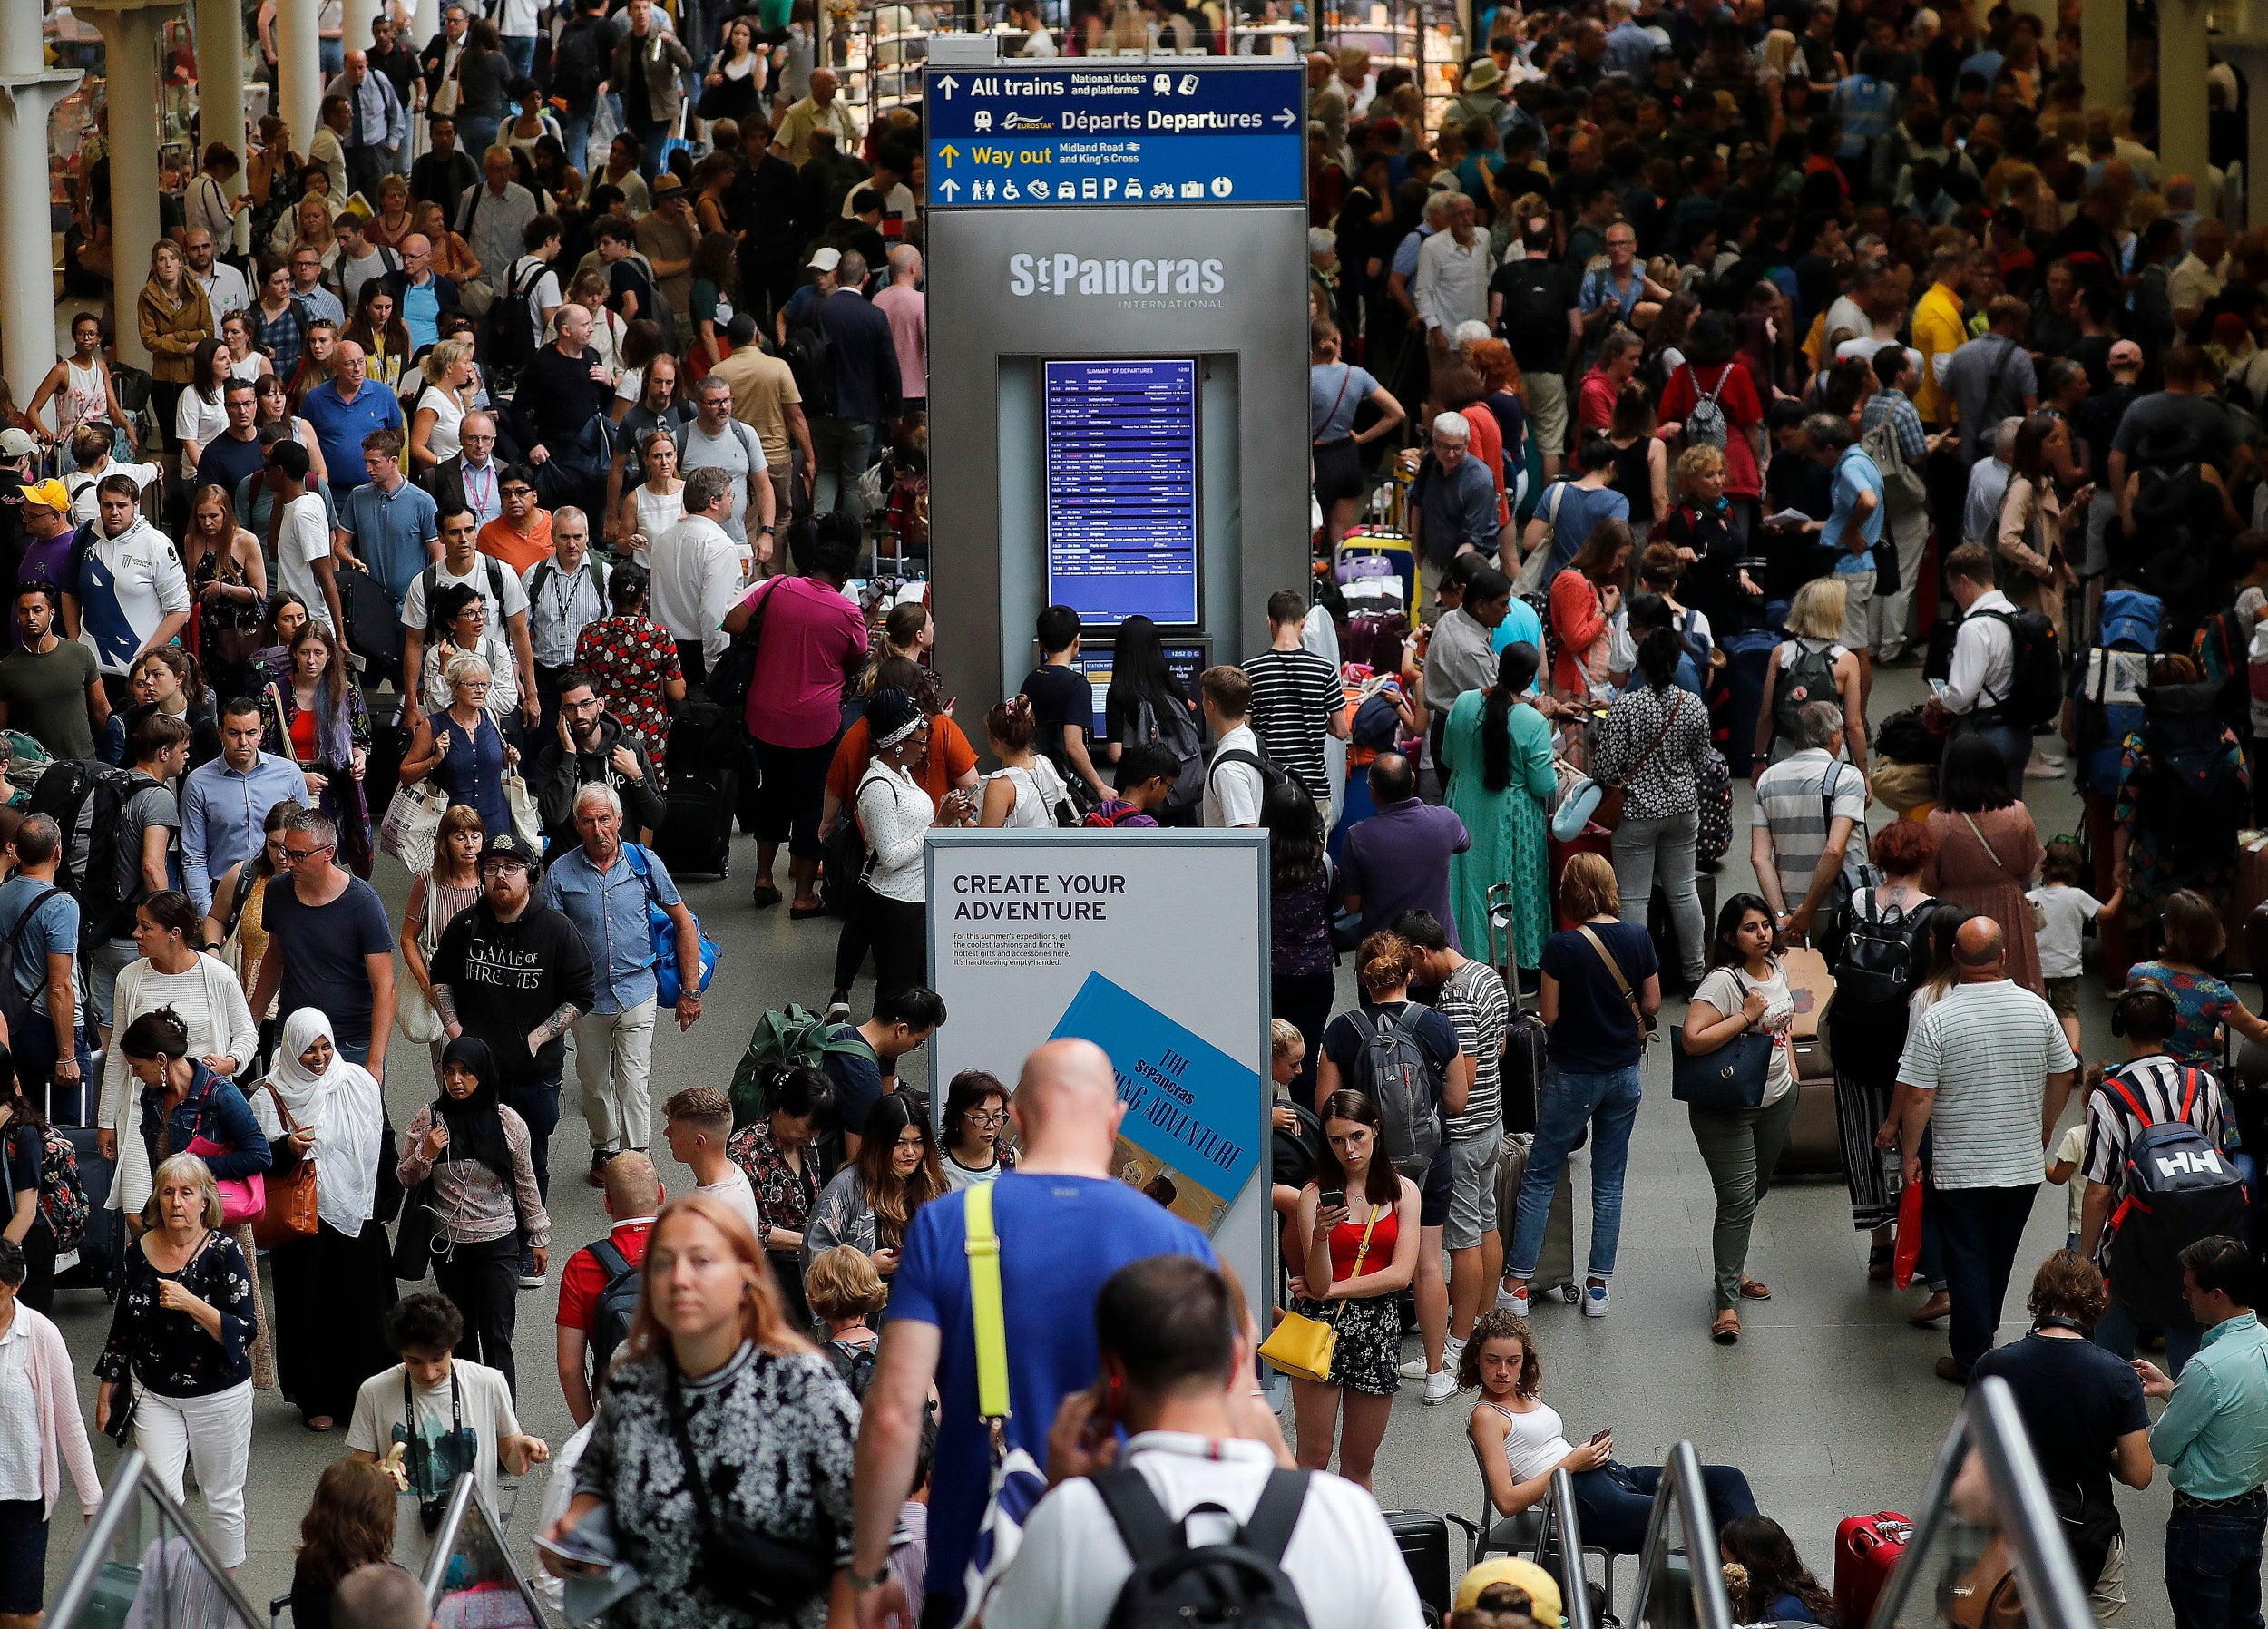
[[242, 1198]]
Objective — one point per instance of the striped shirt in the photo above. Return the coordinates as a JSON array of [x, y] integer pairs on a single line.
[[1472, 997], [1294, 696], [1986, 1050], [2156, 1084], [1792, 801]]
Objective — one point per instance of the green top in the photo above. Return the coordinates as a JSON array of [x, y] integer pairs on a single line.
[[2214, 1434]]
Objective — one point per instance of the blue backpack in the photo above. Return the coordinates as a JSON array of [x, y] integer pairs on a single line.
[[2179, 1189], [2108, 696]]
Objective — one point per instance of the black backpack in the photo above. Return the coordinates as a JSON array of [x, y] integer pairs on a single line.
[[2036, 681], [1176, 731], [810, 357], [2189, 790], [432, 580], [611, 1312], [2179, 1189], [579, 66], [1178, 1585], [1877, 968], [508, 337], [1271, 777], [1810, 677], [15, 1002], [88, 801]]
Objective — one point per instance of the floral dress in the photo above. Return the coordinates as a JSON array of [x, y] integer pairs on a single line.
[[2201, 1004], [169, 1352], [630, 659]]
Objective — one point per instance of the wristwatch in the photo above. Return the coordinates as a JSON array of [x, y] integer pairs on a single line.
[[862, 1582]]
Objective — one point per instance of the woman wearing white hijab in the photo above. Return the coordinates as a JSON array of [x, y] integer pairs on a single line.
[[332, 1289]]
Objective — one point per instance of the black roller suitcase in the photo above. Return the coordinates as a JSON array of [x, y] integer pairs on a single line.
[[1527, 1044], [1424, 1540], [696, 834]]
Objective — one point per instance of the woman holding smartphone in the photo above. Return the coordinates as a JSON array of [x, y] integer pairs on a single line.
[[1359, 1219], [1521, 1441]]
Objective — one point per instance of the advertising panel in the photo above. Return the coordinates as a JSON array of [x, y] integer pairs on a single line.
[[1152, 944]]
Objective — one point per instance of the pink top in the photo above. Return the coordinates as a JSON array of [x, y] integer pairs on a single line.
[[62, 1438], [813, 639], [909, 326]]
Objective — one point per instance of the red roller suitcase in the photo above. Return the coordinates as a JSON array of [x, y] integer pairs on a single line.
[[1866, 1549]]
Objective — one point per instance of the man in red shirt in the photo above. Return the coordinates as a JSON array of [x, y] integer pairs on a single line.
[[634, 1199], [1617, 361]]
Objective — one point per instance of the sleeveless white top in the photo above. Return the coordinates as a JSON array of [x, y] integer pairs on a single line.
[[448, 417], [1532, 1441], [1038, 790], [83, 397]]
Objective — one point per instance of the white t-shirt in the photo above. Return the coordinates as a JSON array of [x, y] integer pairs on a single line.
[[1341, 1559], [2064, 913], [1728, 988], [479, 1401], [85, 503], [1233, 791], [128, 585], [515, 596], [197, 420], [304, 538], [2071, 1150], [735, 1192]]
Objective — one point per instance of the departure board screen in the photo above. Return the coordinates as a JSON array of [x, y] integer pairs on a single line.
[[1121, 489]]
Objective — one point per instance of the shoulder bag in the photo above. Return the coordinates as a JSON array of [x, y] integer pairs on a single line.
[[412, 821], [1303, 1347], [2040, 917], [1529, 578], [1605, 811], [1645, 1024], [413, 1014], [289, 1213], [661, 929], [1732, 1076], [743, 1566]]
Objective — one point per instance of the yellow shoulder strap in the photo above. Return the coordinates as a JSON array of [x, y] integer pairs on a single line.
[[983, 1245]]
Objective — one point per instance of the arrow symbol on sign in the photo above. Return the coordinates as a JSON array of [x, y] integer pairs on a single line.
[[949, 152], [1287, 118], [948, 187], [946, 84]]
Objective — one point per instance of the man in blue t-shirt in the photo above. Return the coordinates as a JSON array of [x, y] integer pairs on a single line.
[[1065, 1226], [49, 1041]]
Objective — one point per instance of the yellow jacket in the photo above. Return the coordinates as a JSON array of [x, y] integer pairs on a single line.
[[171, 332], [1938, 332]]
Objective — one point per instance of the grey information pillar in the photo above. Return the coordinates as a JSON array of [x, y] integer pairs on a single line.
[[1143, 209]]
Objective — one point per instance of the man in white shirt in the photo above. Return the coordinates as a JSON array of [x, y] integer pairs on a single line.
[[300, 535], [542, 237], [224, 286], [1176, 1373], [695, 1123], [2198, 277], [697, 572], [1234, 784], [1984, 663], [1985, 1071], [129, 593], [461, 561], [1451, 284]]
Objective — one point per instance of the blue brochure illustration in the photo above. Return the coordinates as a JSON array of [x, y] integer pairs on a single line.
[[1190, 1138]]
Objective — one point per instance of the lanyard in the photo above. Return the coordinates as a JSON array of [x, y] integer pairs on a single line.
[[456, 1419], [482, 502]]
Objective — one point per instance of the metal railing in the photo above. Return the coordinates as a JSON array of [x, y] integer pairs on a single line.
[[1561, 1540], [1989, 1427], [1681, 1512], [172, 1580], [471, 1557]]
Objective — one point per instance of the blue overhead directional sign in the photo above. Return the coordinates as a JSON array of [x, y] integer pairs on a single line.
[[1125, 131]]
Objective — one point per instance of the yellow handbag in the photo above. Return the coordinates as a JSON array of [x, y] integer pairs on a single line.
[[1303, 1347]]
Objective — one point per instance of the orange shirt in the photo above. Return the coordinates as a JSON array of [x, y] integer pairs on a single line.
[[950, 756], [518, 550]]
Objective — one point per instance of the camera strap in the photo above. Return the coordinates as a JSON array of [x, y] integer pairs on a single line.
[[456, 1425]]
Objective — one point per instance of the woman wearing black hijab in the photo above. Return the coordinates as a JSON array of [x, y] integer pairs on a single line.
[[482, 1197]]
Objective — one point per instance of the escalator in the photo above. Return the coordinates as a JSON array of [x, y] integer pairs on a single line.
[[143, 1565], [471, 1580]]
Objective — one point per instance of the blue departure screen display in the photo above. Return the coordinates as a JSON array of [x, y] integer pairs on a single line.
[[1121, 490]]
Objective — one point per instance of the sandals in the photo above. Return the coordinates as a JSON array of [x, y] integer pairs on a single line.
[[1878, 1263], [764, 896], [804, 913], [1754, 1289], [1725, 1330], [1926, 1315]]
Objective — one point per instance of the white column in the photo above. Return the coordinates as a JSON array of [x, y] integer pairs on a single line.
[[2102, 50], [130, 46], [355, 33], [425, 22], [2181, 114], [28, 90], [221, 83], [298, 69]]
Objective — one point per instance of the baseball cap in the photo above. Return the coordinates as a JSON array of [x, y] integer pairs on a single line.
[[2125, 353], [1541, 1589], [16, 444], [825, 260], [511, 845], [50, 494]]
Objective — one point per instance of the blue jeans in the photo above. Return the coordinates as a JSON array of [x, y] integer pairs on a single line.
[[574, 129], [2213, 1566], [476, 133], [1569, 1102], [537, 1103], [1615, 1500], [520, 52], [35, 1054], [1979, 1230], [2015, 745], [845, 448], [653, 139], [2116, 1331]]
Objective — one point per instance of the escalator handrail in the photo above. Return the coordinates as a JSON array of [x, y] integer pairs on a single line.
[[465, 1500], [1558, 1513], [131, 1480], [1681, 1479], [1988, 1419]]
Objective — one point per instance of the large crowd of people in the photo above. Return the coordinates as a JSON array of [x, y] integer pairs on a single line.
[[497, 509]]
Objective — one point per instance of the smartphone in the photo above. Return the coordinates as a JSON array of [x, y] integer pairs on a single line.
[[1601, 1435], [574, 1552], [1334, 1198]]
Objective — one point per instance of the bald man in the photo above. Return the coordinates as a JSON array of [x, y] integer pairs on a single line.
[[344, 409], [634, 1197], [1065, 1224], [380, 1597], [1986, 1073], [376, 127]]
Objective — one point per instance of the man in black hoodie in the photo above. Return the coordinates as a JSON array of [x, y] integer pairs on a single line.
[[515, 973], [589, 748]]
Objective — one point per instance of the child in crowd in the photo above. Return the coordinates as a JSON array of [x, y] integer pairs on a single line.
[[2069, 1155], [845, 1291], [2062, 908]]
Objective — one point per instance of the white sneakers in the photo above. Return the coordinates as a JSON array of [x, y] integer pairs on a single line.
[[1440, 1389], [1508, 1301], [1594, 1301]]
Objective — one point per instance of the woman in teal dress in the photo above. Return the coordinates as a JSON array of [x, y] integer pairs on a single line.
[[1498, 751]]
